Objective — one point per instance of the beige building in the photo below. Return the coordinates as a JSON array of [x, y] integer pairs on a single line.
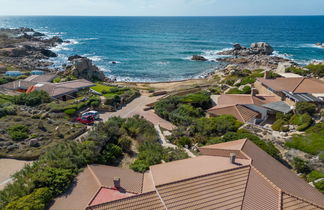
[[231, 175]]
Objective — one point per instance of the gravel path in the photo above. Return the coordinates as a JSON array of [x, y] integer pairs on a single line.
[[7, 168]]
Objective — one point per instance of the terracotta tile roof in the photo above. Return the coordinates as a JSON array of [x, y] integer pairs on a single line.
[[106, 195], [230, 99], [95, 182], [183, 169], [260, 194], [223, 190], [281, 176], [41, 78], [277, 174], [145, 201], [130, 181], [292, 203], [240, 112], [80, 195], [295, 85]]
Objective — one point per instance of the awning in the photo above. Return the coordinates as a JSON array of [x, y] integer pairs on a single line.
[[278, 106], [301, 97]]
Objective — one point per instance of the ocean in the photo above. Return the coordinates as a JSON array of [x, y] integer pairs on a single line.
[[159, 48]]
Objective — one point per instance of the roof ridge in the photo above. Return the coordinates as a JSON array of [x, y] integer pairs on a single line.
[[239, 112], [157, 192], [298, 84], [94, 175], [204, 175]]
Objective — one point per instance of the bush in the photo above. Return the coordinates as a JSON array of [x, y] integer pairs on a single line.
[[70, 112], [303, 121], [311, 143], [280, 125], [317, 70], [18, 132], [57, 180], [245, 90], [297, 70], [37, 200], [215, 126], [183, 141], [314, 175], [301, 166], [305, 107], [125, 143], [320, 186], [32, 99], [110, 154]]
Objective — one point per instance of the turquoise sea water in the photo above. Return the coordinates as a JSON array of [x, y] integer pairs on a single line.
[[159, 48]]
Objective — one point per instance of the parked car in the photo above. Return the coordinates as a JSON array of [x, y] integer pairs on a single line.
[[88, 120], [95, 114]]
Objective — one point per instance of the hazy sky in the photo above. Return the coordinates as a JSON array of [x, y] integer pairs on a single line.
[[162, 7]]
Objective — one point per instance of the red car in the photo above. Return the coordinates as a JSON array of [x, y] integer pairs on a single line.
[[88, 120]]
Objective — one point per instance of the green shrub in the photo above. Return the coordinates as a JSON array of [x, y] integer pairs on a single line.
[[125, 143], [301, 166], [303, 121], [110, 154], [297, 70], [70, 112], [57, 180], [320, 186], [311, 143], [245, 90], [317, 70], [18, 132], [305, 107], [32, 99], [215, 126], [37, 200], [280, 125], [314, 175], [183, 141]]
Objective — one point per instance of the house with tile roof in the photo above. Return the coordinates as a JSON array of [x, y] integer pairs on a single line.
[[62, 91], [231, 175], [247, 108], [293, 89]]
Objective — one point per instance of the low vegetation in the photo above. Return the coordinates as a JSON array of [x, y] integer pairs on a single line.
[[316, 70], [183, 110]]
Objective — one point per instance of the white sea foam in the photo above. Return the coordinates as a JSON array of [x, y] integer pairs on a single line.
[[104, 68], [211, 55], [282, 55], [87, 39], [95, 58]]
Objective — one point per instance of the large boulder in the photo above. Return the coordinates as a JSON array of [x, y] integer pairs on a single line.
[[198, 58], [83, 67], [258, 48], [262, 48]]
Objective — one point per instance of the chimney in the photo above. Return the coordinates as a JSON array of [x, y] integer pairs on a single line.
[[266, 75], [116, 183], [232, 158], [254, 91]]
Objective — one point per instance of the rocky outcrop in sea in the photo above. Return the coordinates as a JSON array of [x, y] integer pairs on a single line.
[[258, 56], [26, 49], [82, 67]]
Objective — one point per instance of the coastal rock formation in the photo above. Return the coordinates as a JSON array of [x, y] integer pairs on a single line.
[[26, 49], [83, 67], [198, 58], [257, 48]]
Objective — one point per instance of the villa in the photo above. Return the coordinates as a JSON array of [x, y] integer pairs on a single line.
[[293, 89], [248, 108], [231, 175], [62, 91]]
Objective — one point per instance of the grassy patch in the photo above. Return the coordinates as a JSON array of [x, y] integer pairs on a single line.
[[311, 143]]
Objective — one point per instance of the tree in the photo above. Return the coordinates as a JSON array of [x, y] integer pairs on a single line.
[[32, 99], [37, 200], [301, 166], [110, 154], [305, 107]]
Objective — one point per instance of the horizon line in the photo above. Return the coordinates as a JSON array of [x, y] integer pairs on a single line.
[[306, 15]]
